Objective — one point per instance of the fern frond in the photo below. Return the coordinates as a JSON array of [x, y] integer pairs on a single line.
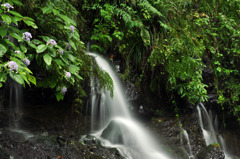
[[149, 7]]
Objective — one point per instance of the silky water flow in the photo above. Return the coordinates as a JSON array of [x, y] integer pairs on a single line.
[[16, 108], [209, 125], [116, 128]]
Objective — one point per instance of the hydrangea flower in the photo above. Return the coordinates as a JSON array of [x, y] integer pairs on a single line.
[[7, 5], [72, 28], [18, 52], [12, 66], [52, 42], [64, 90], [27, 36], [26, 62], [68, 74], [60, 51]]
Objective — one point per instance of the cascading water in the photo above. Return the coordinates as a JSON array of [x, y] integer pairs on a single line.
[[15, 104], [209, 125], [184, 136], [117, 128], [15, 108]]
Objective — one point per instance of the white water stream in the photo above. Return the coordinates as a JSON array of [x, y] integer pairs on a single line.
[[116, 126], [209, 125], [15, 109], [184, 135]]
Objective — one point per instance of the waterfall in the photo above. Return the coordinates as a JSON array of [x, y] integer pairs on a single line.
[[116, 128], [16, 108], [15, 104], [209, 125], [206, 124], [184, 136]]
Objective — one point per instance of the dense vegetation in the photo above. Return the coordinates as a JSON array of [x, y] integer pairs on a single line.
[[167, 43]]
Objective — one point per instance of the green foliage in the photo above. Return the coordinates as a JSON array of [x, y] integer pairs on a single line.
[[52, 59], [164, 42]]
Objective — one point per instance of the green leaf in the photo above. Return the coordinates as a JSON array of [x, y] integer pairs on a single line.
[[3, 32], [30, 23], [145, 36], [46, 10], [55, 12], [10, 43], [17, 77], [32, 45], [32, 79], [16, 36], [73, 45], [41, 48], [17, 2], [3, 77], [15, 13], [67, 19], [47, 59], [59, 96], [53, 81], [36, 41], [79, 77], [6, 18], [3, 50], [59, 62], [23, 48], [73, 69], [71, 57]]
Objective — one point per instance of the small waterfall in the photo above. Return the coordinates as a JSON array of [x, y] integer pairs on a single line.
[[16, 108], [209, 126], [116, 127], [206, 123], [15, 104], [184, 136]]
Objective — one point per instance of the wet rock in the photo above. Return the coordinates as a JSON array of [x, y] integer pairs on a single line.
[[113, 133], [211, 152]]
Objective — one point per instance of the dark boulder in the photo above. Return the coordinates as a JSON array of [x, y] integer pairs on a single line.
[[212, 151]]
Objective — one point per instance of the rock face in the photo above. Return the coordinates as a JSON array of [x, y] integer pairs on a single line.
[[211, 152]]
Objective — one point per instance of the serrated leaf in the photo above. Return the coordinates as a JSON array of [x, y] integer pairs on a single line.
[[15, 13], [6, 18], [3, 50], [16, 36], [41, 48], [47, 59], [3, 32]]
